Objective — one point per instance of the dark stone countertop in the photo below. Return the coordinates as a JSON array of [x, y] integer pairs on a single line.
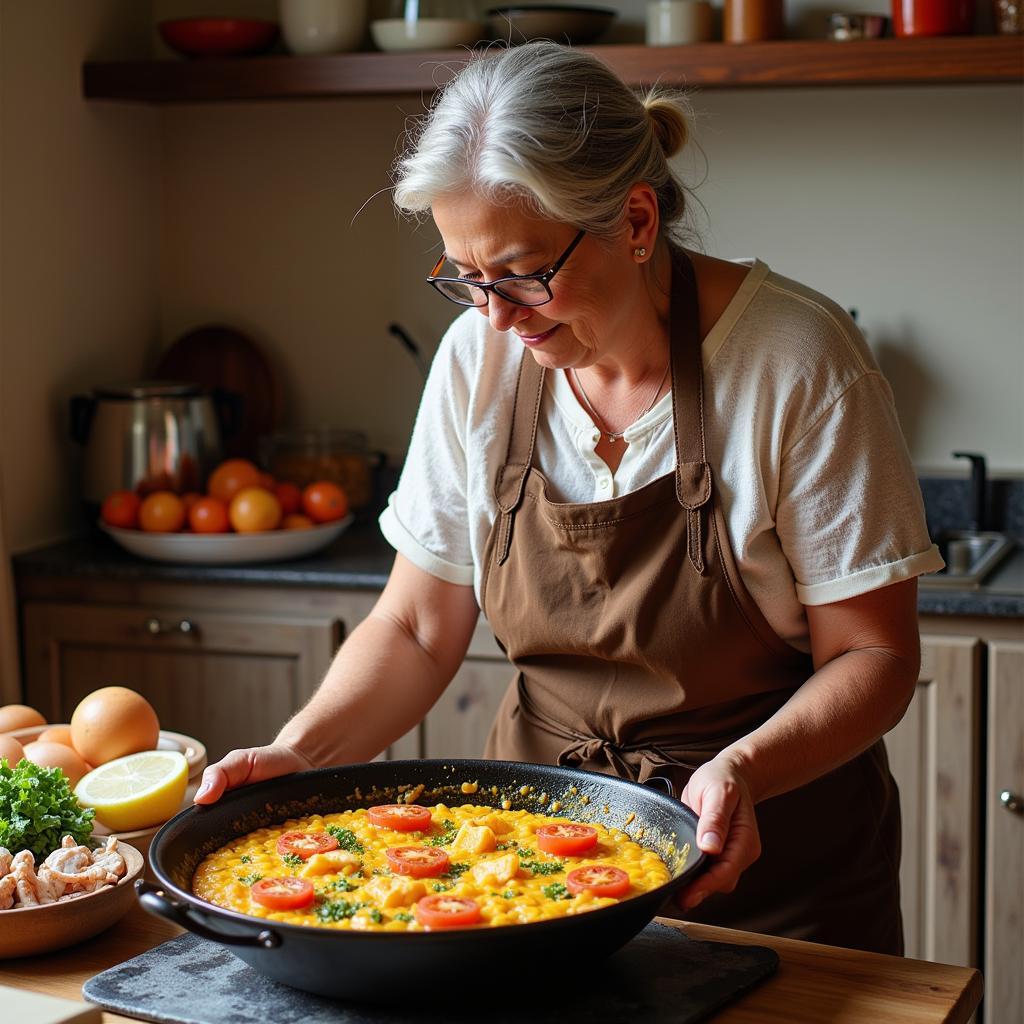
[[361, 559]]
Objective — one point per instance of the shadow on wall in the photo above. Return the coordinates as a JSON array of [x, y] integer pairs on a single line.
[[914, 386]]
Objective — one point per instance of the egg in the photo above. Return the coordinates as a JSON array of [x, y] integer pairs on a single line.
[[56, 734], [57, 755], [19, 716], [112, 722], [11, 749]]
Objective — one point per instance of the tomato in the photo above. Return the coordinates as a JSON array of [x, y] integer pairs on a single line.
[[209, 515], [297, 521], [253, 510], [305, 844], [188, 499], [400, 817], [121, 509], [417, 861], [162, 512], [230, 477], [324, 502], [566, 840], [290, 497], [268, 482], [599, 879], [283, 893], [444, 911]]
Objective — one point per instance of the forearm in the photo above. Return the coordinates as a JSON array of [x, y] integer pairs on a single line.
[[381, 684], [838, 713]]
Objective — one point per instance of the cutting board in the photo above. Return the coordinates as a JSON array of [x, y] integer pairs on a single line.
[[660, 977], [24, 1007]]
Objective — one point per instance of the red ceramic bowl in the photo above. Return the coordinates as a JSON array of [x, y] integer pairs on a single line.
[[218, 37]]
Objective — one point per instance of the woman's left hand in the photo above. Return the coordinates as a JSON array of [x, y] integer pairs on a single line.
[[727, 827]]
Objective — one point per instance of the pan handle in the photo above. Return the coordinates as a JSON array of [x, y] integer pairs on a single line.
[[660, 782], [156, 901]]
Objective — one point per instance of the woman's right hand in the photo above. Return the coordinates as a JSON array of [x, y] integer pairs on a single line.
[[253, 764]]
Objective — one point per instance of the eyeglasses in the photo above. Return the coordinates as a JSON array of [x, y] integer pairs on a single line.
[[522, 289]]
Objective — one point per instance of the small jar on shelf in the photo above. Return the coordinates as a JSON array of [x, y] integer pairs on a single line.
[[425, 24]]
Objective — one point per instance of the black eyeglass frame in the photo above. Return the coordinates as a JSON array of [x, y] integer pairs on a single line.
[[495, 286]]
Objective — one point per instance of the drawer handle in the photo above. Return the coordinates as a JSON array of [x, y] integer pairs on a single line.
[[1011, 801], [155, 627]]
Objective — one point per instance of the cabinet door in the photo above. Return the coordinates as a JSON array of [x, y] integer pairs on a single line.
[[1004, 889], [934, 754], [229, 680]]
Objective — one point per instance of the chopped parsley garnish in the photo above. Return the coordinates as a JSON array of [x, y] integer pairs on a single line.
[[508, 846], [249, 879], [337, 910], [403, 915], [455, 870], [510, 894], [544, 867], [382, 871], [245, 858], [449, 831], [441, 887], [346, 838], [376, 916], [293, 860], [340, 885], [556, 891], [525, 851]]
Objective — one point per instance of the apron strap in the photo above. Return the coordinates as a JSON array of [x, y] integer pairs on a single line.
[[693, 474], [511, 481]]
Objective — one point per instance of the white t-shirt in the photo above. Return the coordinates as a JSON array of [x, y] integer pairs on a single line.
[[820, 497]]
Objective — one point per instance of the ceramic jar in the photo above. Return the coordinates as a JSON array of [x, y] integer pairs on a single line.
[[323, 26]]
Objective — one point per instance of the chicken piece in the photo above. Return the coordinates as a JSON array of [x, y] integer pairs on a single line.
[[23, 868], [49, 888], [496, 871], [332, 863], [474, 839], [495, 823], [5, 860], [8, 885], [69, 858], [395, 890], [108, 857], [92, 878]]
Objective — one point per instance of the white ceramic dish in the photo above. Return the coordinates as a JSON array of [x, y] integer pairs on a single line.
[[425, 33], [227, 548]]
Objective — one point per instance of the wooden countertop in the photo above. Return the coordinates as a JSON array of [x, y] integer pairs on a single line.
[[814, 984]]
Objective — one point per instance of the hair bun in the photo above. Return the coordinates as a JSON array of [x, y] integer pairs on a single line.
[[669, 121]]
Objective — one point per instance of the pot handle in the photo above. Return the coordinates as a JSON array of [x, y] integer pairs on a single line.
[[156, 901], [82, 408], [660, 782]]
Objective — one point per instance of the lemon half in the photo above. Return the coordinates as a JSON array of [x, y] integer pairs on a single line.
[[136, 791]]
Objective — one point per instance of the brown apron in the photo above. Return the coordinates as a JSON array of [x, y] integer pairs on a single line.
[[640, 652]]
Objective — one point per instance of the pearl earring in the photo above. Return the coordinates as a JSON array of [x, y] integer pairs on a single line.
[[640, 253]]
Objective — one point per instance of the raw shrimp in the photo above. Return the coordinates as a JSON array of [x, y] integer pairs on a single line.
[[108, 857], [5, 860], [7, 886], [23, 867]]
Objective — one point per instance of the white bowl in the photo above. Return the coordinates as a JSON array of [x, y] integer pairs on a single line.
[[425, 33], [227, 548]]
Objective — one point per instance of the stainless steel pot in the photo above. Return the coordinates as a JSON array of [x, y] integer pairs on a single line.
[[150, 435]]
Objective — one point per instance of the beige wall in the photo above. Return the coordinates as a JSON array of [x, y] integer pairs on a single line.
[[79, 237]]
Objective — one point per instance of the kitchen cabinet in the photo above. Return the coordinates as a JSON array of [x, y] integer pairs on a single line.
[[791, 63]]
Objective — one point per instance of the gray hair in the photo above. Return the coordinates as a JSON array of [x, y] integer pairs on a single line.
[[550, 127]]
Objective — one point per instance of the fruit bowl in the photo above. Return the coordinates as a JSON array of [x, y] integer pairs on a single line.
[[227, 548], [218, 37], [25, 931]]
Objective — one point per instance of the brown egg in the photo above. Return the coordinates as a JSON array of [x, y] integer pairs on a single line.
[[56, 734], [19, 716], [11, 749], [57, 755], [112, 722]]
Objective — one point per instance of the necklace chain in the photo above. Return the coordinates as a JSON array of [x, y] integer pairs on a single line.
[[613, 436]]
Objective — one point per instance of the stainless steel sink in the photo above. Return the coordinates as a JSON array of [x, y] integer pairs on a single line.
[[970, 555]]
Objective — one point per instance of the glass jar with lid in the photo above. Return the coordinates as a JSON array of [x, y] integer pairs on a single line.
[[341, 456], [425, 24]]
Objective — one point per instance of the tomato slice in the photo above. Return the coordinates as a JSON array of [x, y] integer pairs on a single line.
[[417, 861], [305, 844], [599, 879], [283, 893], [400, 817], [566, 840], [443, 911]]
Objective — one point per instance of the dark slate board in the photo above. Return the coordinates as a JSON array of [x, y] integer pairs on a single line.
[[660, 977]]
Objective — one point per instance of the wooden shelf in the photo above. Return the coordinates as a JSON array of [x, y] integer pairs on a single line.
[[786, 63]]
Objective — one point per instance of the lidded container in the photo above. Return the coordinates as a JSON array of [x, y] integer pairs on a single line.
[[341, 456]]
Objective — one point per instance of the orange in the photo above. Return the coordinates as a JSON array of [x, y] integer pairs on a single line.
[[230, 477], [324, 502], [268, 482], [162, 512], [209, 515], [254, 509], [297, 521], [189, 498], [121, 509]]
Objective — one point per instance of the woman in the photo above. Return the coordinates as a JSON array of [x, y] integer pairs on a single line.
[[675, 486]]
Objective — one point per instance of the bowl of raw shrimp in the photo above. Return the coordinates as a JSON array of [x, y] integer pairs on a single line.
[[74, 893]]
